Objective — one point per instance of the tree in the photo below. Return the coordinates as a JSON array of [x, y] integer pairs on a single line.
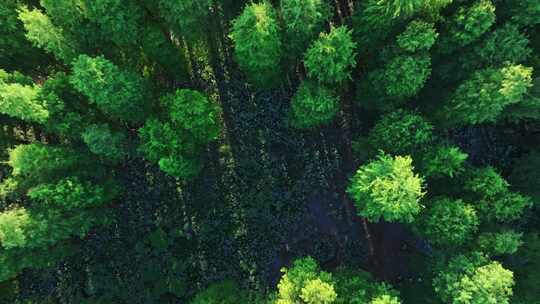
[[354, 286], [16, 52], [226, 292], [303, 20], [505, 44], [192, 121], [331, 58], [443, 161], [494, 200], [257, 43], [185, 17], [385, 299], [21, 101], [117, 19], [450, 222], [305, 283], [318, 292], [38, 163], [387, 187], [418, 36], [313, 105], [401, 132], [44, 34], [500, 243], [101, 140], [486, 94], [71, 194], [117, 93], [467, 25], [474, 279]]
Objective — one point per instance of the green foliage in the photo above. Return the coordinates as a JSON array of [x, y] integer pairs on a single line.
[[401, 132], [27, 228], [450, 222], [16, 52], [160, 144], [303, 20], [101, 140], [487, 93], [418, 36], [387, 187], [443, 161], [44, 34], [12, 228], [257, 43], [186, 17], [467, 25], [22, 102], [71, 194], [404, 76], [331, 58], [193, 121], [194, 113], [474, 280], [305, 283], [525, 12], [494, 201], [395, 82], [385, 299], [358, 287], [117, 93], [117, 19], [504, 44], [313, 105], [221, 293], [37, 163], [66, 107], [318, 292], [500, 243]]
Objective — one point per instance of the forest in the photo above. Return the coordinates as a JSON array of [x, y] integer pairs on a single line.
[[270, 151]]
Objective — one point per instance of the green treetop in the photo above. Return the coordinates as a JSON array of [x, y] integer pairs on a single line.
[[192, 121], [474, 279], [71, 193], [494, 200], [303, 20], [45, 35], [117, 19], [37, 163], [305, 283], [313, 105], [450, 222], [418, 36], [387, 187], [331, 58], [101, 140], [221, 293], [117, 93], [504, 44], [257, 43], [401, 132], [467, 25], [185, 17], [443, 161], [486, 94], [385, 299], [354, 286], [22, 102], [500, 243]]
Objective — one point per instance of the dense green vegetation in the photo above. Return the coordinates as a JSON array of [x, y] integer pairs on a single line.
[[272, 151]]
